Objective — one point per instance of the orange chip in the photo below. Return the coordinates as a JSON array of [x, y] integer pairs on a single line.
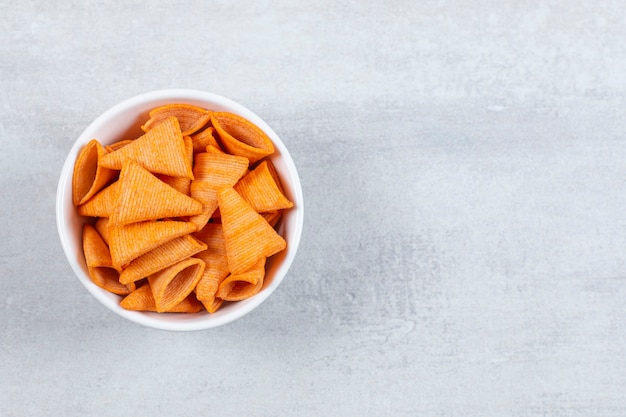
[[99, 263], [203, 139], [216, 265], [133, 240], [191, 118], [272, 217], [259, 188], [96, 251], [180, 184], [241, 137], [207, 195], [248, 236], [101, 204], [173, 284], [219, 169], [161, 257], [144, 197], [89, 176], [142, 300], [189, 148], [238, 287], [102, 226], [117, 145], [161, 150], [214, 149]]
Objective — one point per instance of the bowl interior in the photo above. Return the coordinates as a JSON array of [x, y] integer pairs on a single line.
[[124, 121]]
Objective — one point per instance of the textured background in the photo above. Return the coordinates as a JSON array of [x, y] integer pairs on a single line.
[[464, 177]]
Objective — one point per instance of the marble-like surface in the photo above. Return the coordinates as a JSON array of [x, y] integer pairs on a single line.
[[465, 185]]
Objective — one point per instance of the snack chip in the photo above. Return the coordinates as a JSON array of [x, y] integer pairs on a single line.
[[133, 240], [99, 264], [247, 234], [102, 226], [161, 150], [161, 257], [191, 118], [143, 196], [216, 265], [259, 188], [102, 204], [89, 176], [173, 284], [142, 300], [207, 195], [219, 169], [272, 217], [180, 184], [203, 139], [237, 287], [117, 145], [241, 137]]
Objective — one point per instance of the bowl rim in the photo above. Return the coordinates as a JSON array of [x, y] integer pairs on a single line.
[[169, 321]]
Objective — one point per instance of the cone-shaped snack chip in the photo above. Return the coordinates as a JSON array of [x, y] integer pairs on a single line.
[[102, 226], [89, 176], [161, 257], [259, 188], [241, 137], [99, 263], [101, 204], [161, 150], [207, 195], [180, 184], [216, 265], [238, 287], [173, 284], [272, 217], [219, 169], [144, 197], [133, 240], [203, 139], [247, 234], [191, 118], [117, 145], [142, 300]]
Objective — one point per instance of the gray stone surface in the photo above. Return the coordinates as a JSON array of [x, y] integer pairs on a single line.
[[465, 231]]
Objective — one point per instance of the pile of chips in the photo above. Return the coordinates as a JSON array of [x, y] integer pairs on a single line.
[[183, 217]]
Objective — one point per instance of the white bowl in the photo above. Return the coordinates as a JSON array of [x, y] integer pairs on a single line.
[[124, 120]]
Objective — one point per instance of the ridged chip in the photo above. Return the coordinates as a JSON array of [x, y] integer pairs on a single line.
[[161, 150], [173, 284], [219, 169], [133, 240], [241, 137], [216, 265], [142, 300], [272, 217], [207, 196], [259, 188], [142, 196], [161, 257], [203, 139], [103, 203], [89, 176], [247, 234], [117, 145], [191, 118], [99, 263], [237, 287]]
